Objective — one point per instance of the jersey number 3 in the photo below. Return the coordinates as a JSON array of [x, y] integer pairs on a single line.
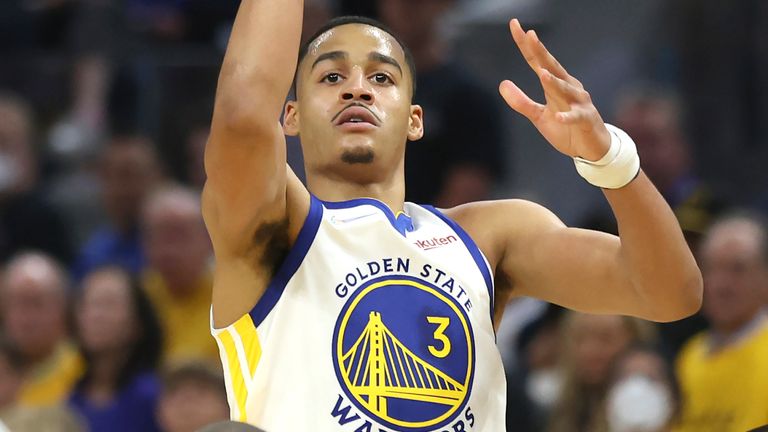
[[439, 335]]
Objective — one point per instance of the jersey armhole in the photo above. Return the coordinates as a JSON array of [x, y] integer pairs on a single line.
[[480, 260]]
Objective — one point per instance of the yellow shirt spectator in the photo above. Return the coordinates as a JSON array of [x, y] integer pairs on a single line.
[[185, 320], [50, 382], [727, 390]]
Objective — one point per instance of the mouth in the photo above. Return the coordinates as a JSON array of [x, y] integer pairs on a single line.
[[355, 118]]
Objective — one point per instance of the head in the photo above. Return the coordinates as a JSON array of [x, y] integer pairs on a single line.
[[129, 170], [353, 109], [653, 119], [115, 321], [591, 345], [175, 238], [594, 341], [414, 21], [734, 263], [11, 371], [193, 396], [34, 305], [643, 392], [18, 168]]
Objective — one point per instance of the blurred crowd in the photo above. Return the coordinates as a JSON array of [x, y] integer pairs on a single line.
[[106, 264]]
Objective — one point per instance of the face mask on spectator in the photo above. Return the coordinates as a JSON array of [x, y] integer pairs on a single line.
[[543, 387], [638, 404]]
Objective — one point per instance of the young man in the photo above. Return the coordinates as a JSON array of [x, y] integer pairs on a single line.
[[339, 307]]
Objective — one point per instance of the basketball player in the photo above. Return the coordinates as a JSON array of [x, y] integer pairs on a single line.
[[339, 307]]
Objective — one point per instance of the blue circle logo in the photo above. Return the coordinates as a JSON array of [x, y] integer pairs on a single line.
[[403, 351]]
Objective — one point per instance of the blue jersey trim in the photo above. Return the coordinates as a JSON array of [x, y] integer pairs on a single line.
[[473, 250], [402, 222], [291, 263]]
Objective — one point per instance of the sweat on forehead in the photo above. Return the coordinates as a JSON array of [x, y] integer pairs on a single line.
[[318, 43]]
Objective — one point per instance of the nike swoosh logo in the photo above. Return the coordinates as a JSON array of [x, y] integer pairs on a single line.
[[352, 219]]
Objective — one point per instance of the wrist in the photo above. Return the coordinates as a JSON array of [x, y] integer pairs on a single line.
[[617, 168]]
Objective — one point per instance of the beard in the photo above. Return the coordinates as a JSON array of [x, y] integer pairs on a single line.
[[358, 156]]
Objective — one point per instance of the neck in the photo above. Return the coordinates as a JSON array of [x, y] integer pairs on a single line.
[[723, 335], [105, 368], [390, 191]]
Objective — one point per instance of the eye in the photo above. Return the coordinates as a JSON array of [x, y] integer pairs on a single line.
[[332, 78], [382, 78]]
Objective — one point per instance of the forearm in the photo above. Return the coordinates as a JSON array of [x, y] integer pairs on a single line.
[[654, 253], [260, 60]]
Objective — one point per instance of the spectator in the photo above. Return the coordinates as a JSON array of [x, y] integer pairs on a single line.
[[643, 396], [723, 373], [193, 396], [129, 170], [11, 370], [34, 310], [120, 341], [49, 419], [454, 105], [653, 118], [27, 221], [592, 344], [535, 384], [178, 280]]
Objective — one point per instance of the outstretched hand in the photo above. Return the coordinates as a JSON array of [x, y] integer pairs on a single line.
[[568, 120]]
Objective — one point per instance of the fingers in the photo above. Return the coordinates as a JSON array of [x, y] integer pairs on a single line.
[[536, 54], [522, 39], [519, 101], [561, 90]]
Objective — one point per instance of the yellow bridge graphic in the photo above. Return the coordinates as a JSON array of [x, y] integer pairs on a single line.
[[379, 366]]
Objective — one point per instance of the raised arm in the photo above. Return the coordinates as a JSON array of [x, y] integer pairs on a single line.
[[648, 271], [251, 198]]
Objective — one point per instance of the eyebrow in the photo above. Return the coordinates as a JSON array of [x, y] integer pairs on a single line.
[[381, 58], [373, 56], [332, 55]]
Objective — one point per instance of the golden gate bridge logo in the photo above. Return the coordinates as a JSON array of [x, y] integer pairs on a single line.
[[381, 372]]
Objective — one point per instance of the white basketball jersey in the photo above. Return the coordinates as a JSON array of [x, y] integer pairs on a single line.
[[374, 322]]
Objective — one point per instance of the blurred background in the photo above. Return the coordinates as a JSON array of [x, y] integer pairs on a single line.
[[105, 288]]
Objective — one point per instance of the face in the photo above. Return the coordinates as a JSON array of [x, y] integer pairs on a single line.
[[34, 308], [642, 363], [596, 341], [735, 274], [105, 316], [192, 406], [15, 147], [658, 139], [176, 241], [354, 112], [10, 383], [128, 172]]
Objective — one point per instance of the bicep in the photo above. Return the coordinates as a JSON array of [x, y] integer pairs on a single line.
[[575, 268]]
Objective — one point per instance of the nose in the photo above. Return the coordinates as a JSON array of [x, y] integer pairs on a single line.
[[357, 89]]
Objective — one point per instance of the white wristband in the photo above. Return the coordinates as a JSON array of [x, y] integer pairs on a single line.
[[617, 168]]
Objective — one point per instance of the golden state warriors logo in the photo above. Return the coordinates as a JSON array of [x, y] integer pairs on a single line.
[[404, 353]]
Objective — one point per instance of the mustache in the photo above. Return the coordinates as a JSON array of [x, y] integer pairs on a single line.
[[355, 104]]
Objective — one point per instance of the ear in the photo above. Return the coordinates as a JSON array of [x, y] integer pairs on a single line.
[[291, 118], [416, 123]]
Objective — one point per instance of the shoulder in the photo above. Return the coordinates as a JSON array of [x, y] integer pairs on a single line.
[[691, 352], [495, 225], [145, 386]]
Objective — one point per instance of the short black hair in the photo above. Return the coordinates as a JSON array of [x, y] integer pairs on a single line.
[[355, 19]]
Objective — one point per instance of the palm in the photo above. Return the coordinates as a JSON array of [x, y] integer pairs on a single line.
[[568, 119]]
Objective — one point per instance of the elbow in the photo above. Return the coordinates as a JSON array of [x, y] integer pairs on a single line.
[[686, 301]]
